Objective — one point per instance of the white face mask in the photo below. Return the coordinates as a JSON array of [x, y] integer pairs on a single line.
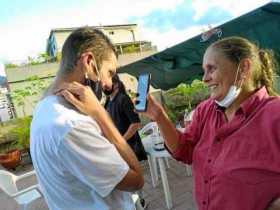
[[231, 95]]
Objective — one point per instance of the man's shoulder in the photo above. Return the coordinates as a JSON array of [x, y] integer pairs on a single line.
[[60, 117]]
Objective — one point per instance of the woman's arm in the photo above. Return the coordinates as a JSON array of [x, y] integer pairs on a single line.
[[156, 112]]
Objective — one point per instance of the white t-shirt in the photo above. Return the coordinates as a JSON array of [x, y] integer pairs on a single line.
[[77, 168]]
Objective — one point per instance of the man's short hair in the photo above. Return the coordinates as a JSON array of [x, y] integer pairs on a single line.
[[82, 40]]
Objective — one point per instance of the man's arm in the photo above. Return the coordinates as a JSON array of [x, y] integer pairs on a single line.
[[134, 179], [132, 129], [84, 100]]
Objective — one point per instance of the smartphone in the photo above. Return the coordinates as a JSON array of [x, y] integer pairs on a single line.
[[142, 92]]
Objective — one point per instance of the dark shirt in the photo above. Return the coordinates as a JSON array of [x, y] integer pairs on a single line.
[[121, 110]]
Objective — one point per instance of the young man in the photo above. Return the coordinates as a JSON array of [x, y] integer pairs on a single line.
[[81, 160]]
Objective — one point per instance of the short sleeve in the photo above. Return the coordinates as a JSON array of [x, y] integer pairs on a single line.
[[92, 158], [129, 110]]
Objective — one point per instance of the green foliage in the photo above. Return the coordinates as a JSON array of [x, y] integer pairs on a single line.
[[184, 97], [10, 65], [130, 49], [22, 96], [58, 57], [22, 132], [14, 134], [41, 58]]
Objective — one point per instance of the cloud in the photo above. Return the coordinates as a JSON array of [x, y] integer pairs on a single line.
[[26, 34], [163, 23], [170, 37], [166, 28], [234, 7], [183, 16]]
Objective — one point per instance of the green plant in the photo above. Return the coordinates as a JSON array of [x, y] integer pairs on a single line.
[[130, 49], [22, 96], [22, 132], [184, 97], [14, 134], [10, 65]]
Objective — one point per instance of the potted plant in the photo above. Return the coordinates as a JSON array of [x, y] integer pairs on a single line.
[[22, 133], [11, 159]]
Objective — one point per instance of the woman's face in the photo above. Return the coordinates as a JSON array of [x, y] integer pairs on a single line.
[[219, 73]]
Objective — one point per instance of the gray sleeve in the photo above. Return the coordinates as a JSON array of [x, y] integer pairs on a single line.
[[92, 158]]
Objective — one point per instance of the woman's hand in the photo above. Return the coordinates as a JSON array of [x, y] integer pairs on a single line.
[[275, 205], [154, 109], [81, 97]]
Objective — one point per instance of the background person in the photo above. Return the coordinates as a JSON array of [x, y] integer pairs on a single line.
[[127, 121]]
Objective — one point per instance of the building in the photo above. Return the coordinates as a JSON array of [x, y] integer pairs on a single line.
[[126, 39], [6, 107]]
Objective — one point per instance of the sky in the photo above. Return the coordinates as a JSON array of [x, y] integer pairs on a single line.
[[26, 24]]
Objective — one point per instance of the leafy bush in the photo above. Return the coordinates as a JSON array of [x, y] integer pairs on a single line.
[[184, 97], [15, 134], [22, 132]]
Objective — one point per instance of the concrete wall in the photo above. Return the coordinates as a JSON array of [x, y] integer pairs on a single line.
[[30, 101], [60, 39], [122, 35], [129, 81]]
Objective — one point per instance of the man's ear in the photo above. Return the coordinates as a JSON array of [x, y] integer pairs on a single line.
[[88, 60]]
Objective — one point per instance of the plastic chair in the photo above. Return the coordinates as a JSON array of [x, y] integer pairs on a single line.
[[23, 197], [136, 201], [150, 128], [153, 132]]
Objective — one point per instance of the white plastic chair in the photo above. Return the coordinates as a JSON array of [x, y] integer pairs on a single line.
[[136, 201], [154, 134], [150, 127], [23, 197]]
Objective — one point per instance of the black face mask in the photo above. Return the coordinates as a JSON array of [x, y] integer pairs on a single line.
[[108, 92], [95, 87]]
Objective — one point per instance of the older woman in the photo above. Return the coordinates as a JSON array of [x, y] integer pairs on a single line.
[[233, 142]]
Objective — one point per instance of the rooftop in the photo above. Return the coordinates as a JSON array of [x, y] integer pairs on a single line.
[[100, 27]]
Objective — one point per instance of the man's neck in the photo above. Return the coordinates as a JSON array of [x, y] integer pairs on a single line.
[[61, 80]]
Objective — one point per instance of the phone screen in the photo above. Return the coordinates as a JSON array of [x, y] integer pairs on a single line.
[[142, 90]]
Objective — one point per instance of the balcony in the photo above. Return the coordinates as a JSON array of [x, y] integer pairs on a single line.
[[134, 47]]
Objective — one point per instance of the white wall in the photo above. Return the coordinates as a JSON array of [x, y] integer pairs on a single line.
[[120, 35]]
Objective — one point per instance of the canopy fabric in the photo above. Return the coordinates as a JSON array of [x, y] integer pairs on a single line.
[[182, 62]]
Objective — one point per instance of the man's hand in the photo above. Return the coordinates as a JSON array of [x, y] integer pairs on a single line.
[[275, 205], [81, 97]]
